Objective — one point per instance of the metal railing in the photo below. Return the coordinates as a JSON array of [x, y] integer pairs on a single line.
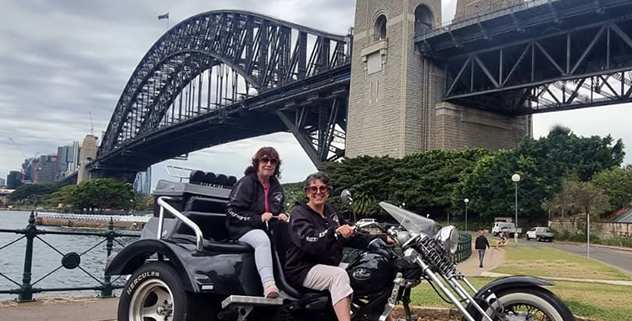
[[70, 260], [196, 229], [464, 250]]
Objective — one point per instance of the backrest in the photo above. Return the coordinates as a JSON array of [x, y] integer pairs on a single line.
[[212, 225], [206, 204], [281, 239]]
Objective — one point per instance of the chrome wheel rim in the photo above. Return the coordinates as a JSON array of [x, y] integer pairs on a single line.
[[152, 301]]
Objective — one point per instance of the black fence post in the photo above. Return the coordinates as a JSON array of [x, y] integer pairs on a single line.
[[26, 290], [106, 292]]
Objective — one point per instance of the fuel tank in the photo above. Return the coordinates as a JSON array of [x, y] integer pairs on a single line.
[[373, 270]]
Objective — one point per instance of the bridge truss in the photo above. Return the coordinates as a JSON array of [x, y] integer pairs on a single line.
[[227, 75], [550, 56]]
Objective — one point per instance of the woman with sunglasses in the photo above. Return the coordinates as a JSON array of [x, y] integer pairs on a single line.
[[254, 200], [318, 233]]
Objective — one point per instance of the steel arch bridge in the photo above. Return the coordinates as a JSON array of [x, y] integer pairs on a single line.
[[223, 76]]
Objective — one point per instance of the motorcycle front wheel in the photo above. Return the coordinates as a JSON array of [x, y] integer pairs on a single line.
[[531, 304]]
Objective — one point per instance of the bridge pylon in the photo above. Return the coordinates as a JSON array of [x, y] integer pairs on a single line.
[[396, 100]]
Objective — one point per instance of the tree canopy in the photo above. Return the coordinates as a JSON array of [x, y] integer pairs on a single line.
[[438, 182]]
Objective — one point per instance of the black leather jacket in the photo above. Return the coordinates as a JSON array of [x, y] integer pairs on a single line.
[[246, 204], [314, 241]]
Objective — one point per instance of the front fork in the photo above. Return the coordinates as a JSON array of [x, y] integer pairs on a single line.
[[458, 290], [398, 283]]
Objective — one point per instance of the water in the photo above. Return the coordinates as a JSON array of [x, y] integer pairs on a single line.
[[47, 259]]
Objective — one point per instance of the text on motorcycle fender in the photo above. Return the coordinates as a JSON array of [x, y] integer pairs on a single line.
[[139, 278]]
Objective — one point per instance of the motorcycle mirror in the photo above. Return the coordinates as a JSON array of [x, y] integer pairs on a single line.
[[345, 197]]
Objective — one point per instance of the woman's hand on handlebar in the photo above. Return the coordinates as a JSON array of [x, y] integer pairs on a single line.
[[345, 230], [266, 216], [389, 240]]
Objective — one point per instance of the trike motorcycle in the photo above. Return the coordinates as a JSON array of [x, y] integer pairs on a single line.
[[184, 268]]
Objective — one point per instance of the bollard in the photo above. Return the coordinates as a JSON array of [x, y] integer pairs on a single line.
[[26, 290], [106, 291]]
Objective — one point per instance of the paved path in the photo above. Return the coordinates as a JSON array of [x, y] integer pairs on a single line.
[[61, 309]]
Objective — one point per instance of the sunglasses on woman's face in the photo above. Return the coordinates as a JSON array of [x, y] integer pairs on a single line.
[[314, 189], [266, 160]]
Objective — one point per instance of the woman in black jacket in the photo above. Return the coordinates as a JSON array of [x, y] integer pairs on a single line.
[[319, 233], [253, 201]]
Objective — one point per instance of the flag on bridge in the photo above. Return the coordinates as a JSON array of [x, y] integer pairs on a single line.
[[164, 16]]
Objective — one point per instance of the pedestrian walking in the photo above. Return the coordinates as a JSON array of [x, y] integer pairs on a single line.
[[481, 245]]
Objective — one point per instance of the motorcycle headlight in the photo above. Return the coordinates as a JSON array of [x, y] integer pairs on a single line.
[[448, 239]]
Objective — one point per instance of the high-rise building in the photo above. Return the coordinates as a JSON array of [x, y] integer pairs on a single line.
[[46, 169], [3, 182], [14, 179], [67, 160]]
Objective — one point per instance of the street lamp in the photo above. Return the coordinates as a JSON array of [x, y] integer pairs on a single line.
[[467, 200], [516, 178]]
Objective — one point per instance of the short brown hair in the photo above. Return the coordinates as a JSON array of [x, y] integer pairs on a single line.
[[264, 151], [323, 177]]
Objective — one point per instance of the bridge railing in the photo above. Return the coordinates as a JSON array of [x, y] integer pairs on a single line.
[[69, 260], [472, 18]]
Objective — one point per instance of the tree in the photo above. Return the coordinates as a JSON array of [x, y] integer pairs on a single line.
[[32, 194], [616, 184], [578, 197], [541, 164], [63, 197], [104, 193], [293, 193], [368, 179]]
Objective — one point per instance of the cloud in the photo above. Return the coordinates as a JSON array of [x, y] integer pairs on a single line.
[[64, 61]]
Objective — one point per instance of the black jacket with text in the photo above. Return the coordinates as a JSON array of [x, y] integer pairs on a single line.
[[314, 241], [246, 204]]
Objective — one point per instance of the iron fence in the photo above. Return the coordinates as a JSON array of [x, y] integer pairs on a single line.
[[69, 260]]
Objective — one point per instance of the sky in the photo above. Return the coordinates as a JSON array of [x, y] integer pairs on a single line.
[[64, 64]]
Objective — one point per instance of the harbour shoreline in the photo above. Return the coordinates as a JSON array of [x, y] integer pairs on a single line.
[[89, 221]]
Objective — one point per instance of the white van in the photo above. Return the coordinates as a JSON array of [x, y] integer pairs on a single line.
[[540, 233], [505, 227]]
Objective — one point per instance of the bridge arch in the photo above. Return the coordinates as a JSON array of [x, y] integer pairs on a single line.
[[265, 52]]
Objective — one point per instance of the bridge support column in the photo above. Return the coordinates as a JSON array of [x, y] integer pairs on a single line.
[[87, 153], [459, 128], [393, 89]]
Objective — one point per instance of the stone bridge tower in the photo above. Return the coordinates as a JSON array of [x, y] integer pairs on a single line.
[[396, 96]]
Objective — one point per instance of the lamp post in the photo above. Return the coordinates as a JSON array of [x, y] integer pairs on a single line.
[[467, 200], [587, 235], [516, 178]]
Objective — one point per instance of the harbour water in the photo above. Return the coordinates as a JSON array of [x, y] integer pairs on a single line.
[[48, 251]]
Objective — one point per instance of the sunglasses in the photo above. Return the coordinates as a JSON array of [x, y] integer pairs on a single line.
[[314, 189], [266, 160]]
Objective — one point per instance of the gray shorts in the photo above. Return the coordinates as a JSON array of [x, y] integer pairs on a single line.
[[327, 277]]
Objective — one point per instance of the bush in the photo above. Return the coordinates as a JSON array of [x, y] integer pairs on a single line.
[[623, 242]]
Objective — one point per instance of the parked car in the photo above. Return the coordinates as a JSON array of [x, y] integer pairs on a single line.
[[540, 233]]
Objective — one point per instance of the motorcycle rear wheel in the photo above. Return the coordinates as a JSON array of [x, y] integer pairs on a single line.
[[531, 304], [155, 292]]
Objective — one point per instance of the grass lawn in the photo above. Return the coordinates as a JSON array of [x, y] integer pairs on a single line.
[[593, 300]]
